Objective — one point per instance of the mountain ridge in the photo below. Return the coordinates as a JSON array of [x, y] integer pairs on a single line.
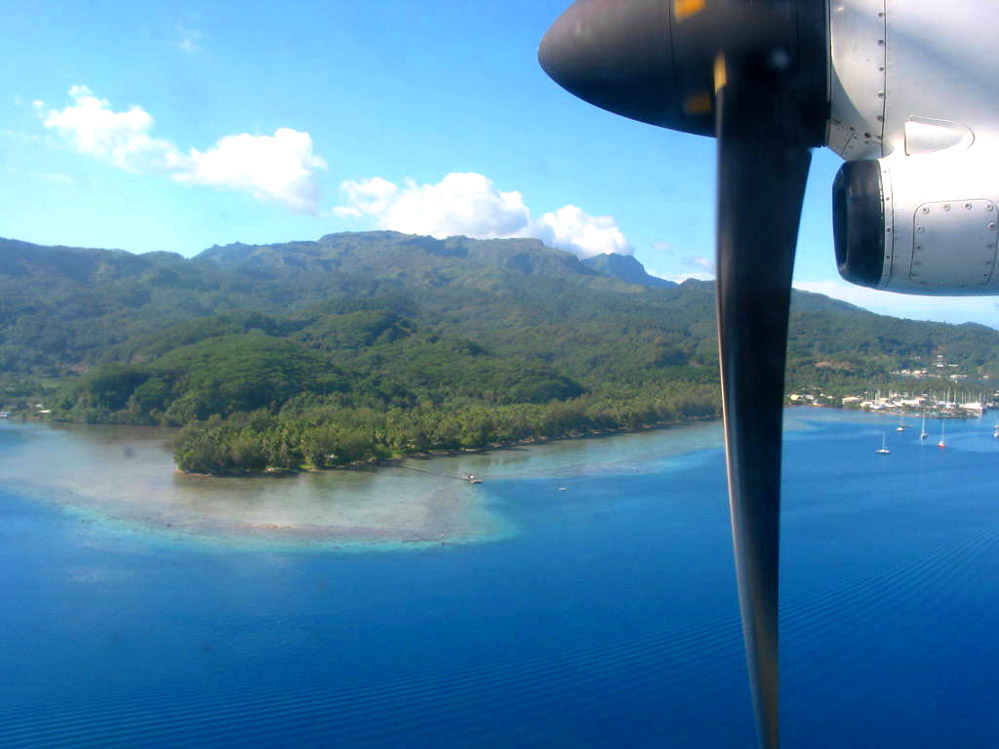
[[66, 309], [626, 268], [360, 346]]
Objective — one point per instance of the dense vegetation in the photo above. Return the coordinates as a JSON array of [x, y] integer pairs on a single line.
[[363, 346]]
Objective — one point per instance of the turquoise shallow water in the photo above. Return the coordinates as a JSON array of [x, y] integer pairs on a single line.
[[140, 609]]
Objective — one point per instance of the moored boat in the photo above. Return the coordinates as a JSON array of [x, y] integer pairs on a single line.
[[883, 450]]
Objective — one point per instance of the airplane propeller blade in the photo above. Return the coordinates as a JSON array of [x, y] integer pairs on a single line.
[[761, 183], [752, 73]]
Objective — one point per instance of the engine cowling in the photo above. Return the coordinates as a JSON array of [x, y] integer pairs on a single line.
[[918, 224], [912, 111]]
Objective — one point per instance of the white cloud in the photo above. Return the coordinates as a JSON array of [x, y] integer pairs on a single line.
[[705, 264], [56, 177], [461, 203], [121, 139], [279, 168], [466, 203], [17, 135], [573, 229], [188, 39], [371, 197], [702, 267]]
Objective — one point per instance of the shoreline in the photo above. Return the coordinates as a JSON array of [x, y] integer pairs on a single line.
[[123, 477], [127, 480], [373, 464], [395, 461]]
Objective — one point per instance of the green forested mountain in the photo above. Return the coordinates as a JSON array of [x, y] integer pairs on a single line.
[[370, 344]]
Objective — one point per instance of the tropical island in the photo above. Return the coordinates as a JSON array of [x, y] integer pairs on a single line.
[[360, 347]]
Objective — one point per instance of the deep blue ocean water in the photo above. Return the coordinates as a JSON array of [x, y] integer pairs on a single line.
[[609, 618]]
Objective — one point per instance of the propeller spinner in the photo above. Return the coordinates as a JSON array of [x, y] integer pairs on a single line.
[[753, 74]]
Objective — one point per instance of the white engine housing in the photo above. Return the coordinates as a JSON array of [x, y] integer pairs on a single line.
[[914, 85]]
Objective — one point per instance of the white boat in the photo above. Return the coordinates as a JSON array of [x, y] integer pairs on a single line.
[[924, 434], [941, 444], [902, 426], [883, 450], [995, 430]]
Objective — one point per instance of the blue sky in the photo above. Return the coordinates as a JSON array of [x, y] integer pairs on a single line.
[[175, 126]]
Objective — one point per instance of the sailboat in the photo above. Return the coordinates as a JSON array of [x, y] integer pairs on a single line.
[[902, 426], [941, 444], [883, 450], [924, 434], [995, 430]]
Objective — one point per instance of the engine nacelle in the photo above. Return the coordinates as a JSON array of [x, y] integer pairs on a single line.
[[912, 110], [922, 224]]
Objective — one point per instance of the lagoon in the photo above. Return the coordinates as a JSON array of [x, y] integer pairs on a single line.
[[584, 595]]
